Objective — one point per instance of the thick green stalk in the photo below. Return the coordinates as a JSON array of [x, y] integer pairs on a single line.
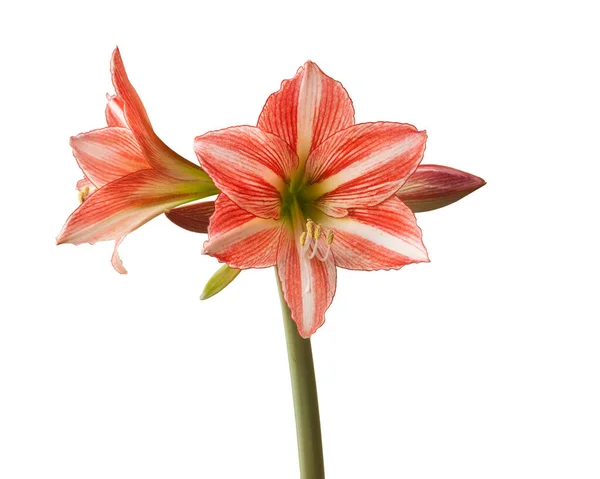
[[306, 404]]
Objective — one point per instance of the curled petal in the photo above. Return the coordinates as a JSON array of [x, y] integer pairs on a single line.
[[308, 285], [159, 155], [194, 217], [107, 154], [115, 260], [241, 239], [250, 166], [363, 165], [432, 186], [122, 206], [385, 236], [307, 109]]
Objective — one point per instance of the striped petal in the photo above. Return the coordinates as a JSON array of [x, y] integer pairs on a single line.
[[385, 236], [250, 166], [307, 109], [159, 155], [115, 116], [124, 205], [241, 239], [107, 154], [432, 186], [308, 285], [363, 165], [194, 217]]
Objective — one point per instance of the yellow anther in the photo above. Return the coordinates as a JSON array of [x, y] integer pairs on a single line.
[[310, 226], [317, 232], [303, 238], [329, 237], [83, 194]]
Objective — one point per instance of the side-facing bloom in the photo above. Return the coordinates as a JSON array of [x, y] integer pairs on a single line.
[[130, 175], [308, 190]]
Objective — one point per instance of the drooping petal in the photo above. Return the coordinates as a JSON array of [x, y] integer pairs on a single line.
[[307, 109], [432, 186], [107, 154], [308, 285], [115, 260], [115, 116], [194, 217], [363, 165], [250, 166], [385, 236], [241, 239], [124, 205], [159, 155]]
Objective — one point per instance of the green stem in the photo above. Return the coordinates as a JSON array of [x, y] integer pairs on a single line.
[[304, 392]]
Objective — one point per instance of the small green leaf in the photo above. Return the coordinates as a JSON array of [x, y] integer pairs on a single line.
[[219, 281]]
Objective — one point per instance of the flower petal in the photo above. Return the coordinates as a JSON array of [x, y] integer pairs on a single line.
[[159, 155], [250, 166], [107, 154], [308, 285], [363, 165], [124, 205], [432, 186], [194, 217], [115, 116], [307, 109], [241, 239], [385, 236]]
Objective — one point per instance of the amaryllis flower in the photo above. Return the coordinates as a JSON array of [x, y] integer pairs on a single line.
[[130, 175], [308, 191]]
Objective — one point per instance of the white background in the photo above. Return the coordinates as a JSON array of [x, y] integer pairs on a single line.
[[482, 364]]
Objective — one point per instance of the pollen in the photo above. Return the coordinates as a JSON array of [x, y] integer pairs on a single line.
[[330, 237], [83, 194], [317, 232]]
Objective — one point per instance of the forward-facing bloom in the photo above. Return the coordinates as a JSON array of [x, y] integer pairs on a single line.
[[130, 175], [308, 190]]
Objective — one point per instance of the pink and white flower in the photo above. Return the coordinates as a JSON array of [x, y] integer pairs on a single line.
[[130, 175], [308, 190]]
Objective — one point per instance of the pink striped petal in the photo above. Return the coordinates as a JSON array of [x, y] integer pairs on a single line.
[[385, 236], [241, 239], [194, 217], [308, 285], [122, 206], [307, 109], [363, 165], [115, 116], [107, 154], [250, 166], [432, 186], [159, 155]]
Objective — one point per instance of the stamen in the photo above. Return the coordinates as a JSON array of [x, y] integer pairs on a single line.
[[83, 194], [310, 225], [303, 238], [329, 237], [317, 232]]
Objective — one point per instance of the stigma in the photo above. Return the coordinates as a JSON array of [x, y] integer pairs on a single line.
[[315, 241]]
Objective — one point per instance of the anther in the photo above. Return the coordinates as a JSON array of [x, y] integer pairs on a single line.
[[303, 238], [330, 237], [83, 194], [317, 232], [310, 227]]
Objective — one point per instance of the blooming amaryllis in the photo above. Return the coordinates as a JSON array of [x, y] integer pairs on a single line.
[[308, 190], [130, 175]]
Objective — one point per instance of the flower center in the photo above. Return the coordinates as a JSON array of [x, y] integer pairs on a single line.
[[315, 241]]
